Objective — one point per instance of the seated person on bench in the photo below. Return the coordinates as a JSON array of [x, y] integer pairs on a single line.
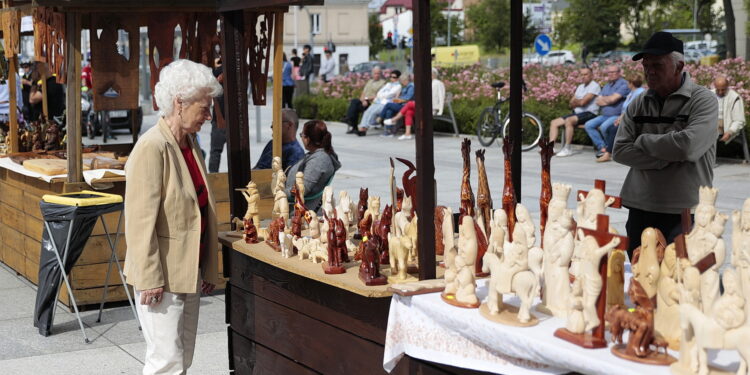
[[584, 108], [407, 112]]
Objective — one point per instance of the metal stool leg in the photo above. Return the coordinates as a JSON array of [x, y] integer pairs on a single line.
[[61, 262], [113, 247]]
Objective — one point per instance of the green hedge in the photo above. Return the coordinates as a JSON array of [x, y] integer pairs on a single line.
[[467, 113]]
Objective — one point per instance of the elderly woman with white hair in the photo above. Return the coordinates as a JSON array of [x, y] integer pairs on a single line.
[[170, 218]]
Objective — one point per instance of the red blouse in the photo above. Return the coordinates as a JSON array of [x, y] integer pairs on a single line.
[[200, 191]]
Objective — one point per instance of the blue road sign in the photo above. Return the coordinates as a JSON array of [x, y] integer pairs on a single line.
[[542, 44]]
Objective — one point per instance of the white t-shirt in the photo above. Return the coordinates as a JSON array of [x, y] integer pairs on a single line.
[[581, 91]]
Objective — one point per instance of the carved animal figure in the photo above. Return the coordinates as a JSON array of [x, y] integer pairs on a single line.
[[467, 195], [509, 193], [484, 198], [341, 241], [313, 224], [328, 202], [640, 322], [362, 204], [409, 182], [546, 149], [382, 228], [344, 210], [250, 234], [276, 226], [398, 247]]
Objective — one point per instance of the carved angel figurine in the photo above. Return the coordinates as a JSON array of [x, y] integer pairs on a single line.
[[741, 250], [464, 261], [559, 244], [281, 205], [592, 254]]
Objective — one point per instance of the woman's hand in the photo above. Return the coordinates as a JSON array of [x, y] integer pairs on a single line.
[[152, 297], [207, 287]]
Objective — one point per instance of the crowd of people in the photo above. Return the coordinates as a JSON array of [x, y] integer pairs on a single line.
[[29, 94]]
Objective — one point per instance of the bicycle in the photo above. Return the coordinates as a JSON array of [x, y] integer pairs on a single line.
[[490, 127]]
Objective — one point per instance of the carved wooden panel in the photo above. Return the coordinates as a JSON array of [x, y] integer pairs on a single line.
[[258, 41], [203, 37], [49, 40], [161, 36], [11, 23], [114, 76]]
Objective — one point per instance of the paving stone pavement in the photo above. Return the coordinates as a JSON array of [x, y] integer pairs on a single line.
[[117, 346]]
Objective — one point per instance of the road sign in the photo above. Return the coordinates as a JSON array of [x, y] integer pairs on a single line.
[[542, 44]]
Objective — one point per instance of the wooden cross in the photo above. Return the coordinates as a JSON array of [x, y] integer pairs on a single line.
[[603, 236], [680, 244], [601, 185]]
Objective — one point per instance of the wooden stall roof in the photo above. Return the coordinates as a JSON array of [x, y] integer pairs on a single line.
[[156, 5]]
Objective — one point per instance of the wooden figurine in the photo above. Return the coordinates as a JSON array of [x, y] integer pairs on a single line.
[[373, 209], [341, 241], [53, 137], [723, 327], [381, 229], [37, 139], [403, 217], [467, 195], [281, 206], [500, 219], [546, 149], [412, 241], [704, 242], [252, 196], [558, 252], [362, 204], [640, 323], [409, 182], [398, 248], [3, 144], [334, 263], [741, 250], [509, 193], [277, 226], [310, 248], [593, 275], [277, 174], [593, 203], [443, 220], [574, 322], [345, 212], [313, 224], [250, 234], [616, 279], [511, 273], [299, 182], [667, 315], [484, 198], [286, 245], [465, 282], [523, 219], [329, 203], [451, 271], [369, 270], [299, 212]]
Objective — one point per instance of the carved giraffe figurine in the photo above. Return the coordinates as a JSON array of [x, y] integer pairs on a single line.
[[467, 195], [509, 193], [484, 198], [546, 150]]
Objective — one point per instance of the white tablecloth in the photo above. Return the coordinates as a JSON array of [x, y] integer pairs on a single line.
[[427, 328], [90, 176]]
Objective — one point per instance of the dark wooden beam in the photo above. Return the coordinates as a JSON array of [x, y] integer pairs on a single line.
[[235, 107], [73, 96], [175, 5], [425, 150], [228, 5], [516, 93]]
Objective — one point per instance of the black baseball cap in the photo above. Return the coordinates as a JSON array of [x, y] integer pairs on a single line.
[[661, 43]]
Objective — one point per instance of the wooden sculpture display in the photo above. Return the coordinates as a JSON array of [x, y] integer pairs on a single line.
[[299, 182], [511, 273], [310, 248], [299, 212], [557, 255], [594, 245], [467, 195], [703, 241], [640, 323], [277, 226], [463, 292], [381, 229], [741, 250], [484, 198], [258, 39], [334, 263], [281, 206], [161, 43], [443, 220], [252, 196], [53, 137], [509, 193], [723, 327], [369, 269], [546, 149]]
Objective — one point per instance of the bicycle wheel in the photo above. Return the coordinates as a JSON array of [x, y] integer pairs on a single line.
[[486, 127], [531, 131]]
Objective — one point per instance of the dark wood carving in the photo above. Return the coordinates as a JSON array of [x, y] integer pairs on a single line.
[[258, 40], [114, 76], [509, 193], [161, 36], [439, 240], [482, 245], [546, 150], [276, 227], [382, 228], [362, 204], [410, 184], [53, 137], [601, 185], [299, 212], [11, 27], [333, 265], [484, 198], [369, 270], [203, 37], [49, 40], [467, 195], [341, 241], [250, 231]]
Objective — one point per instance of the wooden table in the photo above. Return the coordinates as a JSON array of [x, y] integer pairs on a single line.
[[286, 316]]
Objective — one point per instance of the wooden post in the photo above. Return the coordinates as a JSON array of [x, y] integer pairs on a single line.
[[13, 104], [278, 66], [43, 77], [516, 95], [425, 148], [73, 96], [235, 107]]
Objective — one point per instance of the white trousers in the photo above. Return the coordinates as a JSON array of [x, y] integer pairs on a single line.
[[169, 329]]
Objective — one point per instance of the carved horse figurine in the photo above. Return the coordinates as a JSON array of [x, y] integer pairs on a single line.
[[484, 198], [362, 204], [467, 195]]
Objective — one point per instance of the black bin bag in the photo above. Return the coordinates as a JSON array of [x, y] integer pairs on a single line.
[[59, 217]]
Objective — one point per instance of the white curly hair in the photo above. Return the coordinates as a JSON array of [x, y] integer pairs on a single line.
[[184, 80]]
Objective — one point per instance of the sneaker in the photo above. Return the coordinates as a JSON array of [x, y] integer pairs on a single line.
[[564, 152], [388, 122], [386, 135], [406, 137], [604, 158]]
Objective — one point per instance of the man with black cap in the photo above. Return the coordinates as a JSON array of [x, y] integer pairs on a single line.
[[667, 138]]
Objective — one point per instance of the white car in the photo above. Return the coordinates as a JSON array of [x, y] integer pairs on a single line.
[[559, 57]]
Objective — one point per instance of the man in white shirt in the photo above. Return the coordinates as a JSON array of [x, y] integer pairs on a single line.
[[327, 67], [584, 108], [731, 109]]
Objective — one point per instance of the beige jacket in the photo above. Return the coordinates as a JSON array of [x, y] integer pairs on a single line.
[[162, 217], [733, 112]]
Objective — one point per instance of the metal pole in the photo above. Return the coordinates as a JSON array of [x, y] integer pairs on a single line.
[[296, 26], [449, 23], [257, 125], [516, 95], [425, 148]]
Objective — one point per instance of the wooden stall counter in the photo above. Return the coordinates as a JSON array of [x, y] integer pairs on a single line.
[[286, 316]]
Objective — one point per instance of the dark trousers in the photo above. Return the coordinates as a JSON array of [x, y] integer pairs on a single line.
[[609, 137], [287, 92], [218, 139], [670, 226], [390, 110], [356, 107]]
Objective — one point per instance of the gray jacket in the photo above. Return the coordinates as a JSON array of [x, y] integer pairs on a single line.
[[669, 147], [318, 167]]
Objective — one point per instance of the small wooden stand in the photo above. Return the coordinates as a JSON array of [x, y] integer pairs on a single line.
[[333, 270], [654, 358], [585, 340], [508, 316], [450, 299]]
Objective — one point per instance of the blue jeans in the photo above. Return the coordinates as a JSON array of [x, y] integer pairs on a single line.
[[598, 126], [390, 110], [609, 137]]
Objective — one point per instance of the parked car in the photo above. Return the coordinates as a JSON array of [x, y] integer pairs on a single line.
[[532, 58], [366, 67], [614, 56], [559, 57]]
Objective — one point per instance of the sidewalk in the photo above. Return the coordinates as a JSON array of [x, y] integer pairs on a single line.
[[117, 346]]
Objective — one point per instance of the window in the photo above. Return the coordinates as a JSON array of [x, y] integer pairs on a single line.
[[315, 23]]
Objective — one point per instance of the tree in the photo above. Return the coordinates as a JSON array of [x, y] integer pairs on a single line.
[[439, 23], [376, 35], [490, 21], [730, 41], [593, 23]]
